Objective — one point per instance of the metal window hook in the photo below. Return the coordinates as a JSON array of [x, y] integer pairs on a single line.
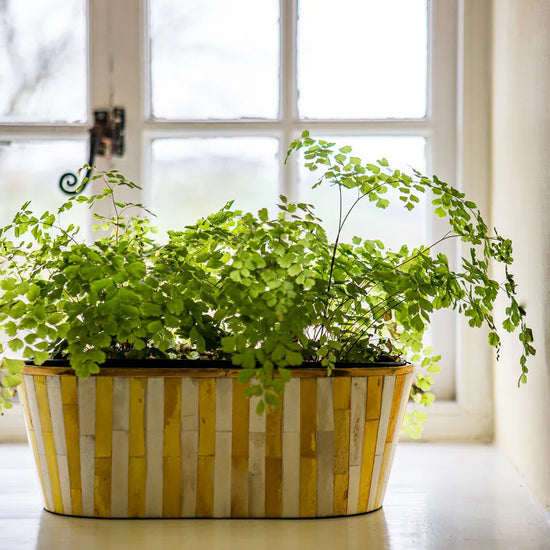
[[106, 140]]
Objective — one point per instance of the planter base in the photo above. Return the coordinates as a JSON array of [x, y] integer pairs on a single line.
[[186, 443]]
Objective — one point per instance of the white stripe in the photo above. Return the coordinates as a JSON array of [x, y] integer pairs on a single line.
[[119, 465], [222, 460], [399, 423], [387, 397], [35, 419], [256, 461], [28, 422], [325, 447], [154, 440], [224, 403], [189, 444], [222, 475], [291, 406], [291, 449], [357, 432], [53, 385], [325, 405], [86, 420]]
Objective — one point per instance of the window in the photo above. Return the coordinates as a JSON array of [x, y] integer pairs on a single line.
[[215, 91]]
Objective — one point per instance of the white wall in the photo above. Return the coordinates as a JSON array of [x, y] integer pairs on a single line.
[[521, 209]]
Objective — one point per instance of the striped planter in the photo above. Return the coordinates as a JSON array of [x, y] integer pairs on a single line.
[[185, 442]]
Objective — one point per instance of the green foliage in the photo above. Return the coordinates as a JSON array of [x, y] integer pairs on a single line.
[[268, 293]]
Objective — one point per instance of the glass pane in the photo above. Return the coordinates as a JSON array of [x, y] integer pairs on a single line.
[[364, 59], [195, 177], [43, 61], [395, 225], [31, 171], [214, 60]]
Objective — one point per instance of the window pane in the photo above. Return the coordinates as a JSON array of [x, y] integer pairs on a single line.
[[395, 225], [195, 177], [43, 61], [364, 59], [31, 171], [214, 60]]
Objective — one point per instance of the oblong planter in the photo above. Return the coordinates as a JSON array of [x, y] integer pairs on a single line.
[[185, 442]]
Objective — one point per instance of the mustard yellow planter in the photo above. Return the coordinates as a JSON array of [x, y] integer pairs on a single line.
[[185, 442]]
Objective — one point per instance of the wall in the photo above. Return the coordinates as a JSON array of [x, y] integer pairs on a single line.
[[520, 208]]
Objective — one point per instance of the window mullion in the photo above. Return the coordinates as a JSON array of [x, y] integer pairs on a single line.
[[117, 41], [288, 92]]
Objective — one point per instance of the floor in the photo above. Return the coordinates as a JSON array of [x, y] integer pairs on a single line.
[[441, 497]]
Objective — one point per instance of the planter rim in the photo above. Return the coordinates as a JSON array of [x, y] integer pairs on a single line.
[[201, 368]]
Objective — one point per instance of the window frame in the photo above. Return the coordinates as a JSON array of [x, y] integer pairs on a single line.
[[118, 77]]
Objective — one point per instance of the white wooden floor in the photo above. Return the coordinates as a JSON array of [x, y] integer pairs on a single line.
[[441, 497]]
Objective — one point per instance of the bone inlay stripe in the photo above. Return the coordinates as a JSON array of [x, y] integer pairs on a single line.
[[120, 459], [357, 430], [86, 420], [154, 428], [53, 384], [222, 462], [34, 431], [291, 449], [48, 438], [189, 444]]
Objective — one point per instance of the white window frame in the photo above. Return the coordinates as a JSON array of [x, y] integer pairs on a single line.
[[118, 57]]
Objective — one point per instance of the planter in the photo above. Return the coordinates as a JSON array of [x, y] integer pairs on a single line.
[[185, 442]]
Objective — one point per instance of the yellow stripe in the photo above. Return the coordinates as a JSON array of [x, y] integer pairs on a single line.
[[69, 391], [308, 487], [239, 452], [25, 400], [104, 417], [103, 446], [205, 487], [49, 445], [274, 462], [102, 487], [374, 397], [342, 418], [207, 447], [308, 447], [136, 437], [137, 464], [342, 393], [207, 417], [374, 407], [137, 472], [396, 403], [341, 486], [171, 493], [72, 437], [367, 463], [341, 460]]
